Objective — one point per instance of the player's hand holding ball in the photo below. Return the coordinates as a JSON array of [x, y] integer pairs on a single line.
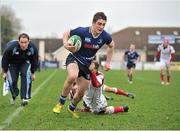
[[74, 43]]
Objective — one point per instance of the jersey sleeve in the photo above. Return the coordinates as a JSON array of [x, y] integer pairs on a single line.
[[126, 52], [77, 31], [108, 38], [172, 50], [137, 55], [5, 62], [159, 48], [34, 58], [7, 54], [97, 79]]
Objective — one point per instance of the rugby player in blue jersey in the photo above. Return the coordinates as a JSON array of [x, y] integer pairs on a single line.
[[77, 63], [132, 58]]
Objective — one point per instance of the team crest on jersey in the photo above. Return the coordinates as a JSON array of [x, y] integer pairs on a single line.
[[88, 40], [28, 53], [17, 53], [99, 41]]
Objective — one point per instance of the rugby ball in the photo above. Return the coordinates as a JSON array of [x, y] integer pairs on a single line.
[[76, 41]]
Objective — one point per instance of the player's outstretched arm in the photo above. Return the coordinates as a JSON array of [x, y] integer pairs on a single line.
[[109, 55]]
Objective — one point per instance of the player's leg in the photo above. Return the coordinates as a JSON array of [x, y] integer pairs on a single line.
[[114, 90], [130, 75], [117, 91], [162, 67], [168, 74], [82, 86], [13, 74], [162, 75], [72, 70], [25, 83], [73, 90], [116, 109], [128, 72], [86, 108]]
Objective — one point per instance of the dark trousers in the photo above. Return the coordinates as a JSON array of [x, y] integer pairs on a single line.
[[13, 74]]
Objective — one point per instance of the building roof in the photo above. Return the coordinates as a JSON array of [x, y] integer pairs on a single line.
[[139, 35], [51, 44], [122, 38]]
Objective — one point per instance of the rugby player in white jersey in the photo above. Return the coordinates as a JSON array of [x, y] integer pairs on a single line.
[[94, 100], [165, 52]]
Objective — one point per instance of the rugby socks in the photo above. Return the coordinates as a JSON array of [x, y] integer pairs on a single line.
[[168, 78], [62, 99], [130, 77], [162, 77], [118, 109], [121, 92], [72, 107]]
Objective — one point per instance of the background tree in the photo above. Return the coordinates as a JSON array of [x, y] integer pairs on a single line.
[[10, 26]]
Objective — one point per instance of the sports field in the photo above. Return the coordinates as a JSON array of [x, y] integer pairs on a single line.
[[155, 106]]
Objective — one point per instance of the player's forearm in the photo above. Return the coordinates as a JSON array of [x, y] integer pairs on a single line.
[[94, 80], [157, 54], [66, 36], [67, 46], [172, 56], [5, 64], [110, 53]]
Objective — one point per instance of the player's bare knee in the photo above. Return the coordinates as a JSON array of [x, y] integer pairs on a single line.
[[80, 94], [72, 78], [109, 110]]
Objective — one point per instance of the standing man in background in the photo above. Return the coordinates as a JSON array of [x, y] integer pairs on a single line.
[[166, 54], [77, 63], [20, 57], [132, 58]]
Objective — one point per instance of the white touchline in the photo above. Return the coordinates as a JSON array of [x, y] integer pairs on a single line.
[[9, 119]]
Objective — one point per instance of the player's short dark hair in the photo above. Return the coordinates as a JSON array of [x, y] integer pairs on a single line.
[[99, 15], [23, 35]]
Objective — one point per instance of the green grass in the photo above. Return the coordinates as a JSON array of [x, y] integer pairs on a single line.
[[155, 106]]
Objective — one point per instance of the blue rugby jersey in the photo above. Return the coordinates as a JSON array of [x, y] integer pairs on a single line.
[[13, 54], [131, 56], [90, 45]]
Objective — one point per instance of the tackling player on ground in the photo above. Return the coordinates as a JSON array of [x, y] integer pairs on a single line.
[[105, 88], [94, 100]]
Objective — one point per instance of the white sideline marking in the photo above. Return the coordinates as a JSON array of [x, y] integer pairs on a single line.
[[9, 119]]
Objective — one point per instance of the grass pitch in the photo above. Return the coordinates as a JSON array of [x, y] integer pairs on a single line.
[[155, 107]]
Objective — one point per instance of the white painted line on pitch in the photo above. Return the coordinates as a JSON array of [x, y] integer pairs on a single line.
[[9, 119]]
